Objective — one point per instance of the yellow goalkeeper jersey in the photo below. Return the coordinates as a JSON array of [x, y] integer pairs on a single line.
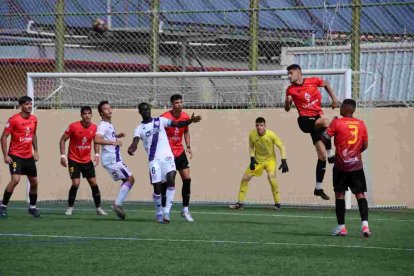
[[262, 147]]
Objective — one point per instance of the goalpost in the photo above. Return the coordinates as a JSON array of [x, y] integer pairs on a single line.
[[205, 90]]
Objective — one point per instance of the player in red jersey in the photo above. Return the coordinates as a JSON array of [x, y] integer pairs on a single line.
[[351, 139], [305, 94], [175, 138], [81, 135], [20, 157]]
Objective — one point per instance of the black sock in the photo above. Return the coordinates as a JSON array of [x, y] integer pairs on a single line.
[[328, 143], [32, 199], [72, 195], [340, 210], [164, 194], [363, 208], [6, 197], [186, 191], [96, 194], [320, 170]]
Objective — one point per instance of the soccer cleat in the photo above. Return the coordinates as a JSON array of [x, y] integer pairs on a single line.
[[365, 232], [339, 231], [101, 212], [159, 218], [277, 207], [34, 212], [331, 159], [187, 216], [166, 218], [237, 205], [69, 211], [3, 212], [320, 193], [118, 211]]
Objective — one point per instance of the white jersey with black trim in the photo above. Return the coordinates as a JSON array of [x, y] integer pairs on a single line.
[[155, 138], [109, 154]]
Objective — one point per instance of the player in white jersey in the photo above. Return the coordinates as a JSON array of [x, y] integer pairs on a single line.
[[111, 156], [160, 157]]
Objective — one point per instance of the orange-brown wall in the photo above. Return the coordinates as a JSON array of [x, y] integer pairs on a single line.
[[220, 147]]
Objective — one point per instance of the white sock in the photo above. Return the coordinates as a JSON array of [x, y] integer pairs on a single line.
[[318, 186], [157, 204], [330, 153], [32, 206], [341, 226], [185, 209], [123, 192], [365, 223], [170, 199]]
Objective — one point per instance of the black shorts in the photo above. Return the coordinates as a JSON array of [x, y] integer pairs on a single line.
[[181, 162], [75, 169], [355, 180], [307, 125], [23, 166]]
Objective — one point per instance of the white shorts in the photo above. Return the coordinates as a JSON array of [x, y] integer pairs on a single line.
[[160, 167], [118, 171]]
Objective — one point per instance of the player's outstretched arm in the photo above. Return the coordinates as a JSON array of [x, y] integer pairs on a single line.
[[63, 158], [331, 93], [99, 139], [6, 156], [193, 119], [134, 145]]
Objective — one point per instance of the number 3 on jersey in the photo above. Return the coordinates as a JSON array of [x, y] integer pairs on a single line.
[[353, 129]]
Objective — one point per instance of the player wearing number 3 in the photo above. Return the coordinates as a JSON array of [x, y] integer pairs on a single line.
[[351, 139]]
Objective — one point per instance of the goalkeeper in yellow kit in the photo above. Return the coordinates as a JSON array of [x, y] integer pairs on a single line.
[[262, 157]]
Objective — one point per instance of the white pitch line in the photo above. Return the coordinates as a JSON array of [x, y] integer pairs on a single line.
[[203, 241], [237, 213]]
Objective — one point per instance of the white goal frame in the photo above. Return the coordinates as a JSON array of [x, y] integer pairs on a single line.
[[33, 75]]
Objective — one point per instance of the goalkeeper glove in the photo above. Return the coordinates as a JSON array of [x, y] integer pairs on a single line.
[[253, 163], [284, 166]]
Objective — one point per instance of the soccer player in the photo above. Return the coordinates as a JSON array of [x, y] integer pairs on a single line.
[[175, 137], [111, 156], [305, 94], [20, 157], [262, 157], [160, 157], [81, 135], [351, 139]]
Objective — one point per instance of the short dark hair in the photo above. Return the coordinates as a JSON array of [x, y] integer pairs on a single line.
[[349, 102], [86, 108], [141, 105], [175, 97], [260, 120], [102, 103], [24, 99], [294, 67]]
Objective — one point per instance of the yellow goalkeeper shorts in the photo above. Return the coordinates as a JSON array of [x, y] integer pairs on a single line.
[[269, 166]]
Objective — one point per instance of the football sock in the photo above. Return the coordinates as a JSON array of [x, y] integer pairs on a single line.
[[33, 199], [320, 170], [157, 203], [170, 199], [330, 153], [164, 194], [318, 186], [72, 195], [275, 190], [123, 192], [340, 210], [363, 208], [6, 197], [185, 192], [365, 223], [185, 209], [243, 190], [96, 194], [328, 143]]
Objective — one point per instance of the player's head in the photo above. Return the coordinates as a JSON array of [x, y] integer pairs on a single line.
[[145, 110], [260, 125], [86, 114], [25, 103], [294, 73], [105, 110], [177, 102], [348, 107]]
